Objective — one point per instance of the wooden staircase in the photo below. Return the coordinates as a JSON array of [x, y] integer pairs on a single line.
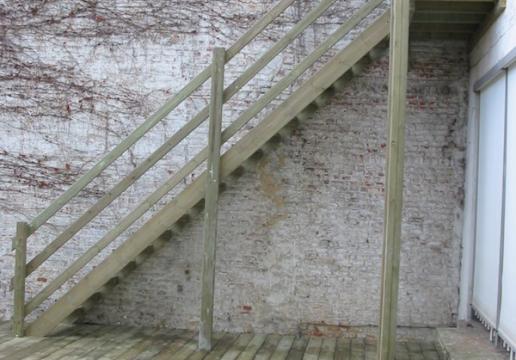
[[313, 93]]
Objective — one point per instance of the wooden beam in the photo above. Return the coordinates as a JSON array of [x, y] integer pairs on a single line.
[[212, 196], [23, 231], [398, 67]]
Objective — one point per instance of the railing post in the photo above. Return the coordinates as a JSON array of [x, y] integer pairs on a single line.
[[212, 194], [23, 231], [398, 66]]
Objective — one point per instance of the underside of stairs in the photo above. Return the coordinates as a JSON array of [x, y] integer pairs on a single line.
[[365, 48]]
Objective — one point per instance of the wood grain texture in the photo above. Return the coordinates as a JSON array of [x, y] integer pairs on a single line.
[[398, 67]]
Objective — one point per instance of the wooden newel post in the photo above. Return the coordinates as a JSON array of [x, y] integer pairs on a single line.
[[398, 67], [212, 195], [23, 231]]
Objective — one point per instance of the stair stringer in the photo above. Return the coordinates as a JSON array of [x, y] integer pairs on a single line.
[[192, 194]]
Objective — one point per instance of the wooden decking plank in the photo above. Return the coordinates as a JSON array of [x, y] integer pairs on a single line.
[[357, 349], [113, 337], [219, 345], [175, 345], [313, 348], [79, 345], [23, 350], [95, 344], [283, 348], [370, 349], [253, 346], [16, 343], [186, 350], [144, 341], [191, 346], [328, 349], [268, 347], [222, 346], [158, 343], [237, 348], [60, 341], [298, 348], [343, 349], [124, 345]]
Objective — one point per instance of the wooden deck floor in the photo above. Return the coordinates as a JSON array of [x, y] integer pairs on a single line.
[[116, 342]]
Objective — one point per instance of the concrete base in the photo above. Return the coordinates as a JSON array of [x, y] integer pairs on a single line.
[[469, 343]]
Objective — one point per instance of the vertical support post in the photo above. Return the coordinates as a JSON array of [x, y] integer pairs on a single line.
[[398, 67], [22, 233], [212, 195]]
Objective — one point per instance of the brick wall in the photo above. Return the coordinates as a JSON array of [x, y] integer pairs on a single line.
[[299, 234]]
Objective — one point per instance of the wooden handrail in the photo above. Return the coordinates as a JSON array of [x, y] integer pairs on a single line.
[[141, 130], [190, 166], [231, 90]]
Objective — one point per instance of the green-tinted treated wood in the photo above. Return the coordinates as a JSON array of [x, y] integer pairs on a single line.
[[238, 346], [22, 233], [398, 66], [170, 105], [15, 344], [357, 349], [343, 349], [124, 345], [54, 346], [174, 346], [370, 349], [328, 349], [283, 348], [298, 348], [106, 343], [190, 348], [84, 341], [193, 193], [144, 342], [157, 344], [211, 200], [251, 348], [222, 347], [313, 348], [269, 346]]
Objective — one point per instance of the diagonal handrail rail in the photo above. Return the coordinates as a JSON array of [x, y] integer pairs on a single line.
[[231, 130], [155, 118], [164, 149]]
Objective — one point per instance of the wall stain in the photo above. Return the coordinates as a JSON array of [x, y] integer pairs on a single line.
[[271, 188]]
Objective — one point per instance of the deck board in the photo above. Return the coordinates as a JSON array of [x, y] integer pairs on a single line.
[[88, 342]]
